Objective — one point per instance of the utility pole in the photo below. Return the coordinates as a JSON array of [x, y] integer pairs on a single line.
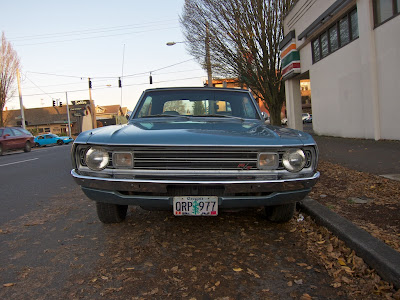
[[69, 120], [208, 59], [90, 89], [20, 100], [122, 74]]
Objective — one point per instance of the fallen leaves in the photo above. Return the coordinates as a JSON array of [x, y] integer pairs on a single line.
[[347, 269], [8, 284], [377, 209]]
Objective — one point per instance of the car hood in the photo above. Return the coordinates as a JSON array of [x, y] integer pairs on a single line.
[[180, 132]]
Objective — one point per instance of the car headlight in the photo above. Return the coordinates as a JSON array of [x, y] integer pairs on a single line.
[[122, 160], [294, 160], [96, 158], [268, 161]]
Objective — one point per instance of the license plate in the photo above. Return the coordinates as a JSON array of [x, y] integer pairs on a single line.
[[196, 206]]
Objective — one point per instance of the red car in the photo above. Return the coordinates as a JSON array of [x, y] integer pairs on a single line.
[[12, 138]]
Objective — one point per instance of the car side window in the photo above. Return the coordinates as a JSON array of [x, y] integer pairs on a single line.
[[8, 131], [48, 137], [17, 132], [1, 132], [41, 137], [25, 131]]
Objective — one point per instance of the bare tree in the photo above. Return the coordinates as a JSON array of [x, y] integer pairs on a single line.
[[9, 63], [244, 38]]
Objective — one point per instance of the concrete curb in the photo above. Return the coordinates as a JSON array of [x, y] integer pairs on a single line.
[[378, 255]]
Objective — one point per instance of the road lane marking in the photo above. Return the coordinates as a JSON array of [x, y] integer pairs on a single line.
[[18, 162]]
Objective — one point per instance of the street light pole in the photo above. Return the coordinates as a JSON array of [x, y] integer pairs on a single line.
[[208, 58], [69, 120], [20, 100]]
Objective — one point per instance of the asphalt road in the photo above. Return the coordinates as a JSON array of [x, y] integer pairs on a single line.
[[31, 179], [52, 246]]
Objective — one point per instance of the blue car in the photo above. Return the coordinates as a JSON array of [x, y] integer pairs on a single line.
[[194, 151], [51, 139]]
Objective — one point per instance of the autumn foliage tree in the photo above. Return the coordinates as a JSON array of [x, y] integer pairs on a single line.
[[243, 37], [9, 63]]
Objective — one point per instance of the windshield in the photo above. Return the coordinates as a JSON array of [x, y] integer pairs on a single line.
[[197, 103]]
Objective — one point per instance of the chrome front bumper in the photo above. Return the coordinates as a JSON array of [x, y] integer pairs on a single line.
[[155, 193]]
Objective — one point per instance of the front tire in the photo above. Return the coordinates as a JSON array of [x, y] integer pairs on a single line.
[[280, 213], [111, 213], [27, 147], [60, 142], [1, 149]]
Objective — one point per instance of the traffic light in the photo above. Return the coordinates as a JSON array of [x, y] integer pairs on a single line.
[[90, 84], [54, 103], [60, 104], [151, 79], [119, 83]]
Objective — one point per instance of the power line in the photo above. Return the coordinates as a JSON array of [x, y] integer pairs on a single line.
[[110, 77], [95, 37], [107, 87], [101, 80], [91, 31]]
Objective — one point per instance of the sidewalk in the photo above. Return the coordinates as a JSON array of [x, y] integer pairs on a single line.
[[375, 157]]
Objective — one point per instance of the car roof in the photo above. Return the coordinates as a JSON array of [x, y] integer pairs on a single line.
[[197, 89]]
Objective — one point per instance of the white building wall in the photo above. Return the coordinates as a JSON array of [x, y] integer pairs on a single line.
[[355, 91], [340, 106], [387, 38]]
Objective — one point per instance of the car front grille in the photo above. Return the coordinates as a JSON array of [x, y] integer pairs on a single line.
[[194, 158]]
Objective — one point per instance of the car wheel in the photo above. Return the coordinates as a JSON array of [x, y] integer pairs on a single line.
[[37, 145], [60, 142], [111, 213], [280, 213], [27, 147], [1, 150]]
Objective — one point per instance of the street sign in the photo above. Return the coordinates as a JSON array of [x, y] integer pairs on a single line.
[[77, 108], [81, 102], [78, 114]]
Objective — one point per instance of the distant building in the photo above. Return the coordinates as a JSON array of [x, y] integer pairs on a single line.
[[234, 83], [54, 119], [43, 120], [111, 115]]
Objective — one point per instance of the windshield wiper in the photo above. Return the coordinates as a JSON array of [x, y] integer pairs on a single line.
[[164, 115], [221, 116]]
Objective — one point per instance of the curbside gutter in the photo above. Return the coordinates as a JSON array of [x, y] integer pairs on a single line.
[[378, 255]]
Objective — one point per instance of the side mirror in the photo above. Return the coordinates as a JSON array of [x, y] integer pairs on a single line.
[[265, 115]]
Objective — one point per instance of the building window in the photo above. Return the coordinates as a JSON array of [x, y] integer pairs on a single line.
[[340, 34], [333, 38], [316, 50], [384, 10], [354, 24], [324, 44]]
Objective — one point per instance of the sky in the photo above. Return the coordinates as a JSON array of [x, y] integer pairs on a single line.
[[63, 43]]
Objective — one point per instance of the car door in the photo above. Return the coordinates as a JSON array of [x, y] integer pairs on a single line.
[[40, 139], [48, 139], [53, 138], [19, 138], [8, 139]]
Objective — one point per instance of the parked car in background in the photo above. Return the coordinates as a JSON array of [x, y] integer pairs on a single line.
[[306, 117], [14, 138], [284, 121], [309, 119], [51, 139], [194, 151]]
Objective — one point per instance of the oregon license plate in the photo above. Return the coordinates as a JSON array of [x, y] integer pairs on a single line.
[[196, 206]]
